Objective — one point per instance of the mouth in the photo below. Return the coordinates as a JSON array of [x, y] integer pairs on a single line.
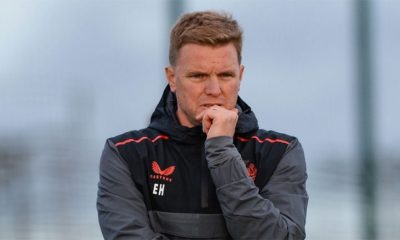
[[210, 105]]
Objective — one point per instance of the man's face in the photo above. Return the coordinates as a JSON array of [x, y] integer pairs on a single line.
[[202, 77]]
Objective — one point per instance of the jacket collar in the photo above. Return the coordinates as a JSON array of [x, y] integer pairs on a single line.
[[164, 119]]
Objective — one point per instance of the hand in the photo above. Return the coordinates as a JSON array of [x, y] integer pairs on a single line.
[[218, 121]]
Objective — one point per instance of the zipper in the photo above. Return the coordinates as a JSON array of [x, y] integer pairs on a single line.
[[204, 178]]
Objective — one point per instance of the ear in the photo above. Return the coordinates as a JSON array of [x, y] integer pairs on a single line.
[[170, 74], [240, 75], [241, 72]]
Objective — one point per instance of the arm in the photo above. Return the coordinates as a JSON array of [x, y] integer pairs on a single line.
[[121, 209], [276, 212]]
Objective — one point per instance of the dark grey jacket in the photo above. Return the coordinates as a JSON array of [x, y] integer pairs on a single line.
[[153, 184]]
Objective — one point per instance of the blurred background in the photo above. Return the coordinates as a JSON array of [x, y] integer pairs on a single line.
[[73, 73]]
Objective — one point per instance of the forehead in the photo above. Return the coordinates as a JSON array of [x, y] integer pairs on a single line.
[[203, 56]]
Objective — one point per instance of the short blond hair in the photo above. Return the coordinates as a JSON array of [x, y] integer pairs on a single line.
[[205, 28]]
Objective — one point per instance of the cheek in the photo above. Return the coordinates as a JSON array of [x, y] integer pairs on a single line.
[[186, 97], [232, 94], [236, 88], [233, 89], [190, 91]]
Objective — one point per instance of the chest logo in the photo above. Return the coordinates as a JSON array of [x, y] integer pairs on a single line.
[[251, 170], [161, 174]]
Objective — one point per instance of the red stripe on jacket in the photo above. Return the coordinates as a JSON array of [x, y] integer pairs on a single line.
[[262, 140], [140, 140]]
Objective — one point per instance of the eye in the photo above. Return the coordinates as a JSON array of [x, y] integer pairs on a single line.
[[226, 75], [198, 75]]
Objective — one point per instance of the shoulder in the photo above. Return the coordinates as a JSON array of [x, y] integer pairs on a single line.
[[287, 145], [136, 144], [288, 154]]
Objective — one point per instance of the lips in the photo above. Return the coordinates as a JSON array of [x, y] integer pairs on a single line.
[[210, 105]]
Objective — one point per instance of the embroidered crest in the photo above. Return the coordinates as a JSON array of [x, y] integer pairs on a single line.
[[251, 170]]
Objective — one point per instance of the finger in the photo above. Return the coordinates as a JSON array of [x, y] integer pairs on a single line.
[[216, 108], [199, 116], [206, 122]]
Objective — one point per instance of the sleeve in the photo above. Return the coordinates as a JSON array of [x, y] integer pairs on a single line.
[[278, 211], [121, 210]]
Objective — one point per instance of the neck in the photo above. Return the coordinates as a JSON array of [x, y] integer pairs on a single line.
[[186, 121]]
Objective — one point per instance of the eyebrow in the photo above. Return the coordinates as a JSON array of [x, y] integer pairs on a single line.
[[205, 72], [196, 72], [227, 71]]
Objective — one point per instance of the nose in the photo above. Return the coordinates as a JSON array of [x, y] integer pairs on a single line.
[[213, 86]]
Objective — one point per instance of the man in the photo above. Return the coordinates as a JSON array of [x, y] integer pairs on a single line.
[[203, 168]]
